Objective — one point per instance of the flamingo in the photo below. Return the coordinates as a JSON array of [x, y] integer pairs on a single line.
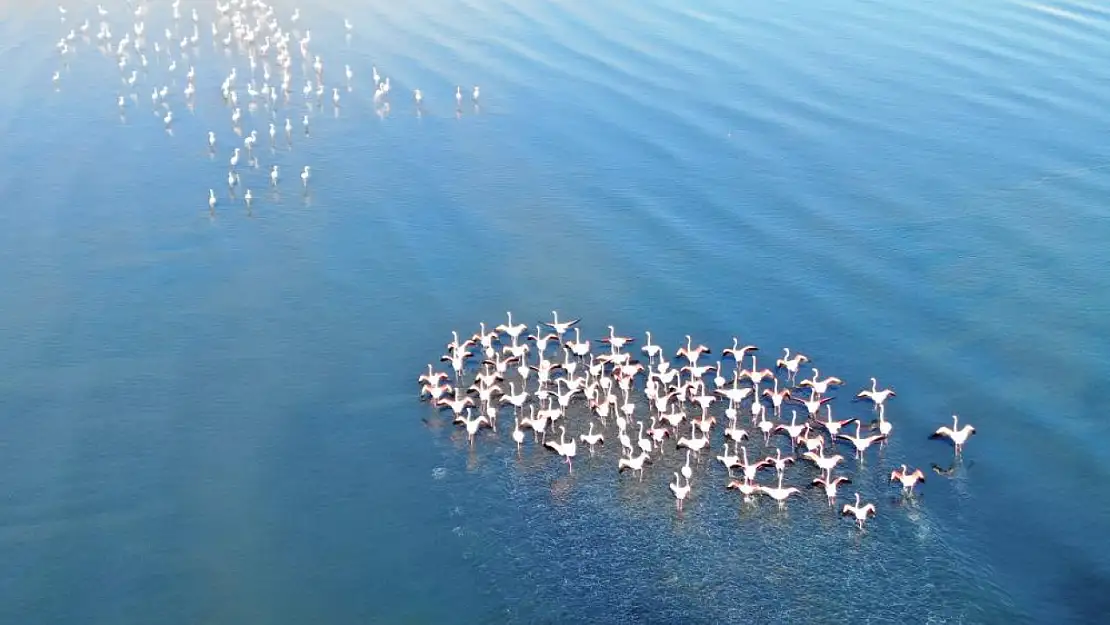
[[560, 328], [518, 434], [651, 350], [592, 439], [858, 511], [821, 386], [956, 434], [861, 443], [746, 488], [876, 396], [472, 424], [881, 424], [778, 493], [680, 492], [823, 462], [907, 478], [738, 352], [791, 364], [830, 486], [634, 463]]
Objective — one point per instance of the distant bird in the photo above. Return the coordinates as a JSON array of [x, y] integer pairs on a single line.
[[248, 197], [475, 94], [418, 96], [458, 95], [274, 175], [211, 140], [305, 175], [211, 200], [956, 434]]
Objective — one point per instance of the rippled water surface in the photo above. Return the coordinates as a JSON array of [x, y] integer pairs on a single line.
[[213, 418]]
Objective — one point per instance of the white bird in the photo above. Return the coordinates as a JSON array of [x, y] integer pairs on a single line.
[[791, 364], [248, 197], [274, 175], [560, 327], [956, 434], [418, 96], [475, 94], [634, 463], [680, 492], [885, 427], [566, 449], [211, 140], [908, 478], [305, 175], [472, 424], [860, 442], [858, 511], [746, 488], [592, 439], [830, 486], [823, 462], [234, 160], [518, 434], [652, 351], [821, 386], [778, 493], [211, 200], [876, 396]]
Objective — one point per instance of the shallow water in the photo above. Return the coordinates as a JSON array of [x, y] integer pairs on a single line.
[[214, 418]]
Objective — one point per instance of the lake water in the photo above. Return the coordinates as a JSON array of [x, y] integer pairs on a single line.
[[213, 418]]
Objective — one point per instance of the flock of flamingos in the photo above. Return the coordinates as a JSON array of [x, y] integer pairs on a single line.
[[261, 91], [541, 380]]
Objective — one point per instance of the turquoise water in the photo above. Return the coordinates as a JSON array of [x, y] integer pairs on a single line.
[[212, 418]]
